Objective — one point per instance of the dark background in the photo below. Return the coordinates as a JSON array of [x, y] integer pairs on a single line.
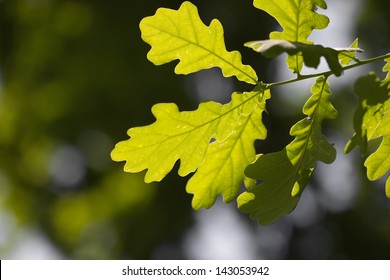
[[74, 77]]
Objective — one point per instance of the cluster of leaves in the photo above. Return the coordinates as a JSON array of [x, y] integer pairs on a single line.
[[216, 141], [372, 121]]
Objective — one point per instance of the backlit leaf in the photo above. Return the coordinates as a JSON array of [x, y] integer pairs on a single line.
[[298, 18], [222, 171], [180, 34], [284, 175], [348, 56], [371, 121], [216, 139]]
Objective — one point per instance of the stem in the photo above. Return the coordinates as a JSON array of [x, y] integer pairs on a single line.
[[328, 73]]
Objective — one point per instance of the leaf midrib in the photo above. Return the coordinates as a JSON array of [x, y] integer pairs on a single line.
[[314, 120], [203, 124]]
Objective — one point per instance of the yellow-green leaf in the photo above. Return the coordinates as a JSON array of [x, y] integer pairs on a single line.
[[181, 34], [222, 171], [371, 121], [284, 174], [298, 18], [216, 139], [347, 56]]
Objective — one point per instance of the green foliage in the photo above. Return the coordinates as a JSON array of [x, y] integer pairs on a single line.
[[182, 35], [372, 121], [216, 141], [298, 18], [347, 57], [67, 81], [310, 53], [285, 173]]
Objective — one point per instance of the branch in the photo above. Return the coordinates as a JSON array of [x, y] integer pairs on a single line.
[[327, 73]]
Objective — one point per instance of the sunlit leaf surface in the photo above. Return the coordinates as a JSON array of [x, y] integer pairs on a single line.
[[298, 18], [215, 139], [182, 35], [284, 175]]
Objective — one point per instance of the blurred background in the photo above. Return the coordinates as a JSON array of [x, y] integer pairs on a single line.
[[74, 77]]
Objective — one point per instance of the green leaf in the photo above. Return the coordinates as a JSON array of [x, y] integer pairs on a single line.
[[311, 53], [222, 171], [348, 56], [284, 174], [215, 139], [298, 18], [182, 35], [372, 121], [386, 68]]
